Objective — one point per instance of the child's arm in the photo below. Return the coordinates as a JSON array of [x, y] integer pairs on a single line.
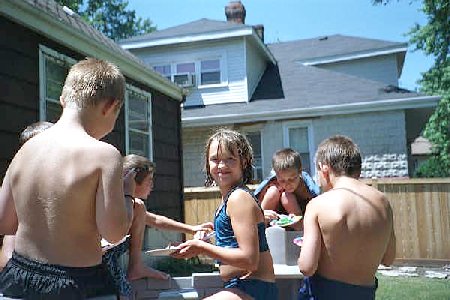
[[312, 241], [389, 255], [162, 222], [114, 208], [8, 214]]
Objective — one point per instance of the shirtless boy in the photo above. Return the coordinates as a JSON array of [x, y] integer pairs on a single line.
[[8, 240], [289, 189], [348, 230], [64, 190]]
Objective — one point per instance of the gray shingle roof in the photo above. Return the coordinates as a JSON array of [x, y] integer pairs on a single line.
[[329, 46], [56, 11], [291, 85], [201, 26]]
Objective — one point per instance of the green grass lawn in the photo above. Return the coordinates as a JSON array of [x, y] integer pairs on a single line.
[[397, 288]]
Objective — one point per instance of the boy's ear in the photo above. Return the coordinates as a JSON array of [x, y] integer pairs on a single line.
[[110, 105], [61, 101]]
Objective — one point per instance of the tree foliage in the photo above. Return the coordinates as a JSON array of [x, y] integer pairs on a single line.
[[111, 17], [433, 39]]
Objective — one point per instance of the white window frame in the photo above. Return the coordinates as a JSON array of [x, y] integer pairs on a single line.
[[301, 124], [132, 88], [43, 52], [253, 129], [197, 58]]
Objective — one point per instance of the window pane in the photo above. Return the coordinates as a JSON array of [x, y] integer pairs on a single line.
[[55, 75], [138, 112], [139, 125], [54, 111], [210, 65], [139, 144], [210, 78], [255, 140], [163, 70], [298, 140], [186, 68]]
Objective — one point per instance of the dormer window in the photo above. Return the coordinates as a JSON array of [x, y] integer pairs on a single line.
[[210, 71], [202, 73], [164, 70]]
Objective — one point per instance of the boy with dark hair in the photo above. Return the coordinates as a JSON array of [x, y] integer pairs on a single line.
[[348, 230], [64, 190], [288, 189]]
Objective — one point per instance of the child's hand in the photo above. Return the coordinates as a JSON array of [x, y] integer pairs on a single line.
[[270, 215], [188, 249]]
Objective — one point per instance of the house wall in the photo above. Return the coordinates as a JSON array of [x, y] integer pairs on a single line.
[[255, 66], [233, 89], [19, 83], [380, 68], [376, 133], [194, 140]]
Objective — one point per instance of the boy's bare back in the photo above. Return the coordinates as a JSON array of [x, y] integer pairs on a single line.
[[355, 222], [348, 230], [55, 180]]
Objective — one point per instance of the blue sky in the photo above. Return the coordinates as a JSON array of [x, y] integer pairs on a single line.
[[286, 20]]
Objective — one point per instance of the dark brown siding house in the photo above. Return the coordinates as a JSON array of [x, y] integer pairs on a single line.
[[39, 41]]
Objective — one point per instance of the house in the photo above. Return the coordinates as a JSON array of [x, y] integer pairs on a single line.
[[40, 40], [292, 93]]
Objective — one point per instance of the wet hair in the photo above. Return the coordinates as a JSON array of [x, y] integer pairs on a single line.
[[33, 130], [234, 142], [341, 154], [143, 166], [91, 81], [286, 158]]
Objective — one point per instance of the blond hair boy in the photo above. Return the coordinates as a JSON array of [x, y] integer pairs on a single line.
[[64, 190]]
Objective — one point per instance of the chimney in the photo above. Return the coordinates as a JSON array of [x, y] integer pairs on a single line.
[[235, 12], [259, 31]]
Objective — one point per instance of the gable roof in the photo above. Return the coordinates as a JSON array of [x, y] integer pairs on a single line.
[[196, 31], [337, 48], [67, 28], [333, 46], [201, 26], [296, 90]]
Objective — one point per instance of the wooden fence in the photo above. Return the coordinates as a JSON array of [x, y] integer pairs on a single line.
[[421, 214]]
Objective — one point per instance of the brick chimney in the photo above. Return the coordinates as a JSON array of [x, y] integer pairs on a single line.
[[235, 12]]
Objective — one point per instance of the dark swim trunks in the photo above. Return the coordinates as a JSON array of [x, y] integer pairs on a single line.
[[111, 260], [317, 287], [258, 289], [28, 279]]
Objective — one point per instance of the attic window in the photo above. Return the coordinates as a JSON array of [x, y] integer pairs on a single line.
[[210, 71]]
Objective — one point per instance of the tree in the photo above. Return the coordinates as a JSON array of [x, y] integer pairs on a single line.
[[433, 39], [111, 17]]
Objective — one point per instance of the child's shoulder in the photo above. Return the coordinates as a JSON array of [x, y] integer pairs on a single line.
[[240, 194]]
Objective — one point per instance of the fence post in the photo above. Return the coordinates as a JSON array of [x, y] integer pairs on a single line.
[[375, 182]]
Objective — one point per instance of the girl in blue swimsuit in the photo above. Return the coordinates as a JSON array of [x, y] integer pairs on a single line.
[[246, 266]]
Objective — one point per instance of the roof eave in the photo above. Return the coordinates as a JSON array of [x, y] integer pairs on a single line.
[[359, 107], [218, 35], [27, 15], [366, 54]]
